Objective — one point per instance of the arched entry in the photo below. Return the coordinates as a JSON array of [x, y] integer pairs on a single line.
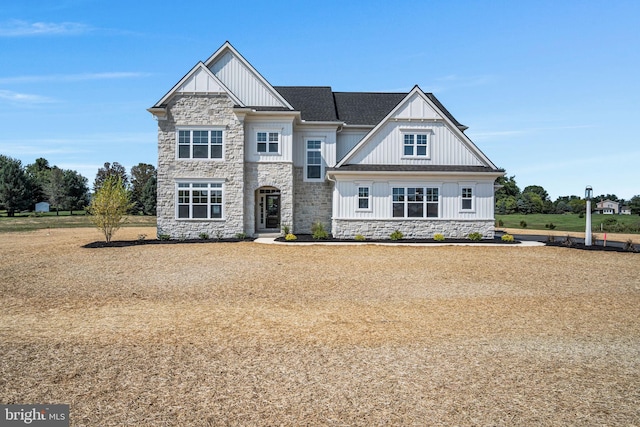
[[267, 209]]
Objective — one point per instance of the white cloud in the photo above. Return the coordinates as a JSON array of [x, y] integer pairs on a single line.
[[73, 77], [24, 98], [19, 28]]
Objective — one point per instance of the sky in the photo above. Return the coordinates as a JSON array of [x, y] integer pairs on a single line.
[[550, 90]]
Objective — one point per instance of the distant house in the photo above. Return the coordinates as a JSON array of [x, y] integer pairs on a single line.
[[625, 210], [608, 207], [238, 155], [42, 207]]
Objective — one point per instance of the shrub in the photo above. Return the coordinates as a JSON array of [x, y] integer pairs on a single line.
[[500, 223], [360, 238], [241, 236], [318, 231], [507, 238], [204, 236], [396, 235], [286, 229], [629, 246], [164, 237], [289, 237], [475, 236], [523, 224], [550, 226], [568, 241], [438, 237]]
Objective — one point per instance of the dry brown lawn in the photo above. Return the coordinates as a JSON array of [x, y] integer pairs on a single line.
[[250, 334]]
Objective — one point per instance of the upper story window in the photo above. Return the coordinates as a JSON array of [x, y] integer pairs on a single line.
[[313, 165], [199, 200], [200, 144], [415, 202], [467, 198], [416, 145], [268, 142]]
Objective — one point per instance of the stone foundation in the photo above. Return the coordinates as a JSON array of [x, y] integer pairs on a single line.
[[412, 229]]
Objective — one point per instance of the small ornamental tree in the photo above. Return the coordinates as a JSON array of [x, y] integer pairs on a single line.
[[109, 206]]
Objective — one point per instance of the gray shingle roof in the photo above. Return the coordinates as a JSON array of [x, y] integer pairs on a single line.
[[315, 103], [320, 103]]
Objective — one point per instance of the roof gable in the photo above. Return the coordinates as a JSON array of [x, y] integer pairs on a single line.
[[198, 80], [315, 103], [237, 74], [417, 105]]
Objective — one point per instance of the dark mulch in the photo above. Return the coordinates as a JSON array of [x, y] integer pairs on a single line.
[[582, 246], [141, 242], [306, 238]]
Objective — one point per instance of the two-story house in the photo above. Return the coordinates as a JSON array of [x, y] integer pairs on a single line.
[[238, 155]]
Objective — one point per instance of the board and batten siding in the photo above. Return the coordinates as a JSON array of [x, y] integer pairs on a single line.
[[346, 140], [285, 127], [243, 83], [345, 204], [328, 138], [444, 147]]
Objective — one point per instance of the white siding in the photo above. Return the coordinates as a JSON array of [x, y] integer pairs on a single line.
[[200, 82], [284, 127], [243, 82], [347, 139], [328, 136], [416, 108], [346, 197], [386, 146]]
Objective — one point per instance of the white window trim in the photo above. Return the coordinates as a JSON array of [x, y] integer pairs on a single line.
[[368, 186], [472, 186], [306, 159], [268, 131], [199, 181], [406, 202], [205, 159], [429, 134]]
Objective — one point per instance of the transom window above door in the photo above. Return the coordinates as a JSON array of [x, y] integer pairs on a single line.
[[200, 143]]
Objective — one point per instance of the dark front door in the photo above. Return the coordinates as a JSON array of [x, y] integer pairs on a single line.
[[273, 211]]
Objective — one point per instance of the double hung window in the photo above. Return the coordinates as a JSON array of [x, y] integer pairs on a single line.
[[199, 200], [363, 198], [314, 159], [415, 145], [268, 142], [200, 144], [415, 202], [467, 198]]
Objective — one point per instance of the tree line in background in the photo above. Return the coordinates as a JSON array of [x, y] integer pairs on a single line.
[[21, 187], [534, 199]]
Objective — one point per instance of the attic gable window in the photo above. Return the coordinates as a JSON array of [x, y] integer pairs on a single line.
[[200, 144], [268, 142], [416, 145]]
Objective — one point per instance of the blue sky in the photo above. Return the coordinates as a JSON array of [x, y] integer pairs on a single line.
[[549, 89]]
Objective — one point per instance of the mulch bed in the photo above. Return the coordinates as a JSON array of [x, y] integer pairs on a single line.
[[140, 242], [583, 247], [306, 238]]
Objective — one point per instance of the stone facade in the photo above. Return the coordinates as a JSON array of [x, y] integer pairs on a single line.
[[313, 203], [200, 110], [382, 229], [278, 175]]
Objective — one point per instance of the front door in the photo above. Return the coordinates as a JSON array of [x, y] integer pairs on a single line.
[[272, 213]]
